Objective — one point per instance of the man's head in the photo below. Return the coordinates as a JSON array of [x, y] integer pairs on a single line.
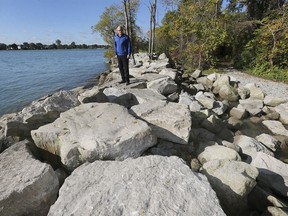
[[119, 30]]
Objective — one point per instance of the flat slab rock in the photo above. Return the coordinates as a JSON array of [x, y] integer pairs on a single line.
[[151, 185], [95, 131]]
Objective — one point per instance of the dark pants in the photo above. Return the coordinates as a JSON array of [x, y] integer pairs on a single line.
[[123, 64]]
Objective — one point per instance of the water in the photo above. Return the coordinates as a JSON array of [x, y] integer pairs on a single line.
[[27, 75]]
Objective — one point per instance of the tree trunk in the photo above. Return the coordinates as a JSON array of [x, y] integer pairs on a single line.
[[131, 32], [152, 29], [126, 17]]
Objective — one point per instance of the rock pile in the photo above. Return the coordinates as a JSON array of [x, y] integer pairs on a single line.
[[169, 143]]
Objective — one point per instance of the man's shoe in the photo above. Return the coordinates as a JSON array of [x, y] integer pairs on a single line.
[[121, 82], [127, 83]]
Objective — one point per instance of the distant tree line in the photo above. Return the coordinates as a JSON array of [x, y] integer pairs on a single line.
[[56, 45]]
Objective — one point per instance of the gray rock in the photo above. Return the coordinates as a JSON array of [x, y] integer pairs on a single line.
[[120, 96], [28, 186], [164, 86], [170, 121], [269, 141], [243, 92], [282, 109], [195, 106], [219, 108], [174, 97], [47, 109], [199, 87], [217, 152], [253, 106], [222, 80], [229, 93], [276, 127], [150, 185], [145, 95], [94, 131], [92, 95], [232, 182], [205, 81], [275, 211], [234, 123], [197, 73], [272, 172], [272, 101], [186, 98], [238, 112], [206, 101], [213, 77], [250, 146], [255, 91], [169, 72], [230, 145]]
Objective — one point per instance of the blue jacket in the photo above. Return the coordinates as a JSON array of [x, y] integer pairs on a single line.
[[122, 45]]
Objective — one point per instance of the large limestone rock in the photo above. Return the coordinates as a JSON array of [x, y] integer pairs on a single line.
[[47, 109], [94, 131], [250, 146], [272, 101], [145, 95], [272, 172], [232, 182], [253, 106], [164, 86], [169, 72], [92, 95], [120, 96], [151, 185], [255, 91], [282, 109], [222, 80], [170, 121], [12, 130], [206, 100], [229, 93], [276, 127], [217, 152], [269, 141], [15, 127], [27, 186]]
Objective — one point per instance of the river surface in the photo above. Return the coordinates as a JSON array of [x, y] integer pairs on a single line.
[[27, 75]]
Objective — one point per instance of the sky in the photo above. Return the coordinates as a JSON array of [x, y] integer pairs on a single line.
[[45, 21]]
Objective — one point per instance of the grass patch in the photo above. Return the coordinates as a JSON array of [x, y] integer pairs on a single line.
[[270, 73]]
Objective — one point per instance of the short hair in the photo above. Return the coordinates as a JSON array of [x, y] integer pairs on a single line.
[[121, 27]]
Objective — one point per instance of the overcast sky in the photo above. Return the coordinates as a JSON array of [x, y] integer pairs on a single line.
[[45, 21]]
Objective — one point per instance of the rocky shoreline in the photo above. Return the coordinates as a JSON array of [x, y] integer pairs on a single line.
[[167, 144]]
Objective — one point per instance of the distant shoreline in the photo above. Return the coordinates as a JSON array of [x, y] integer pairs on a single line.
[[40, 46]]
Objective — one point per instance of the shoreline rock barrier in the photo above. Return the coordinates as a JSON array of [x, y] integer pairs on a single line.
[[170, 143]]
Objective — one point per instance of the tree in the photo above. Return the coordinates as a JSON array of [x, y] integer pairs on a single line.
[[130, 11], [194, 32], [152, 28], [3, 46], [109, 20], [270, 42], [72, 45], [58, 43]]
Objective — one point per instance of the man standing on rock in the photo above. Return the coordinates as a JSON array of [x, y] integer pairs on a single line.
[[122, 47]]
